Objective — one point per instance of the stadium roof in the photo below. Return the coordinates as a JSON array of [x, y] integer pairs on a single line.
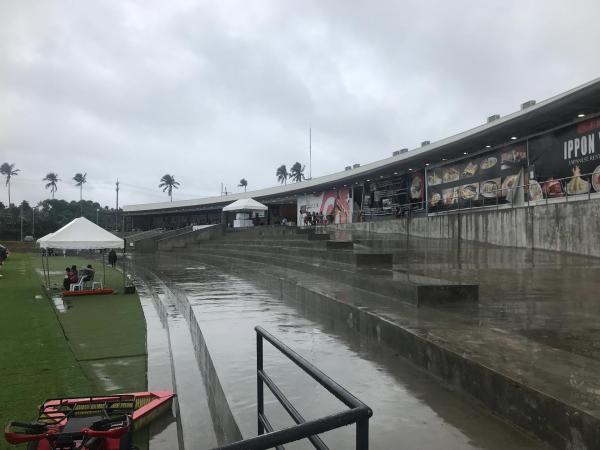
[[559, 110]]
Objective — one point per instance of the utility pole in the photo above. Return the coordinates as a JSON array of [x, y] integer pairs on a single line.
[[117, 208], [309, 153]]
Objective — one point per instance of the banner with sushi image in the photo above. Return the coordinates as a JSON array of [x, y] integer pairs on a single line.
[[482, 180]]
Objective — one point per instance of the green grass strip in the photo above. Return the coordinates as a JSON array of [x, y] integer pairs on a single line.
[[96, 345]]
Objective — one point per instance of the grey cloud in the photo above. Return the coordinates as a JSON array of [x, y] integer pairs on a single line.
[[215, 91]]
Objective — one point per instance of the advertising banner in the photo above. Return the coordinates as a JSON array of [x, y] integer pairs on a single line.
[[566, 161], [390, 194], [335, 205], [478, 181]]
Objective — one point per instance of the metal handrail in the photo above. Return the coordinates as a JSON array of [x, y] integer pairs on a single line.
[[359, 413]]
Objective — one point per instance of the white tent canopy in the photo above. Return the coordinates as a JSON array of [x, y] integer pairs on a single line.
[[245, 204], [80, 234]]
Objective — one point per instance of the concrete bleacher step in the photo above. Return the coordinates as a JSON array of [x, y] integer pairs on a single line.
[[416, 290], [359, 259], [492, 365]]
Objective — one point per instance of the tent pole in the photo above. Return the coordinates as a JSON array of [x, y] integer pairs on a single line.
[[47, 269], [103, 270], [123, 263], [44, 270]]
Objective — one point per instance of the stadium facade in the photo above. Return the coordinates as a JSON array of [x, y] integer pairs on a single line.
[[546, 152]]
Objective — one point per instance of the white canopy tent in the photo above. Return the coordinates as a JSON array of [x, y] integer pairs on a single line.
[[80, 234], [243, 207], [245, 204]]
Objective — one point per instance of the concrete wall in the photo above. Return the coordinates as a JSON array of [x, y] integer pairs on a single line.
[[572, 227]]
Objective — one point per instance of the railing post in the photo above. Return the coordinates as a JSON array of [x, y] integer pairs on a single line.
[[259, 383], [362, 434]]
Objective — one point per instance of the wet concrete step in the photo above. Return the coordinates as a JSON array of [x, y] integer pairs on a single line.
[[527, 383], [413, 289], [411, 409], [344, 255], [180, 372]]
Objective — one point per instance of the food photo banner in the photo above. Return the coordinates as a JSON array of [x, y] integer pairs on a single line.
[[336, 205], [478, 181], [566, 161]]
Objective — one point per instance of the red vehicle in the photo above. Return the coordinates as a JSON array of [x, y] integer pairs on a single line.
[[89, 423]]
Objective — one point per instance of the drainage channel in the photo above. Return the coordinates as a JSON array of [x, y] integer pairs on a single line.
[[411, 408]]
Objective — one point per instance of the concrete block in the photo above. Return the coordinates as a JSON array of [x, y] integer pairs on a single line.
[[318, 237], [439, 295], [340, 245], [374, 260]]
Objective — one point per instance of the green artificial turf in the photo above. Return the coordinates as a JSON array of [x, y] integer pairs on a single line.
[[35, 359], [97, 345], [107, 333]]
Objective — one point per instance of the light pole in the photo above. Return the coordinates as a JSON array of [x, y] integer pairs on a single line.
[[97, 212], [33, 221]]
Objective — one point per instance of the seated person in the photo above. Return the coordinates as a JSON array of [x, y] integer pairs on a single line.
[[88, 274], [67, 280], [73, 275]]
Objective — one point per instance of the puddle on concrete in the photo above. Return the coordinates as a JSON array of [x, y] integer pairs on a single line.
[[61, 304]]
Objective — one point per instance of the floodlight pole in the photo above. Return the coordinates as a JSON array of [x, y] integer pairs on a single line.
[[309, 153]]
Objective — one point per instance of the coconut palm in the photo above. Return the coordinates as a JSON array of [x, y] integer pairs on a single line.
[[282, 174], [297, 172], [243, 183], [52, 179], [8, 170], [80, 180], [167, 182]]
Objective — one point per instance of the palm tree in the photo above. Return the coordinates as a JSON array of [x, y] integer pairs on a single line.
[[297, 172], [8, 170], [243, 183], [282, 174], [167, 182], [80, 180], [52, 179]]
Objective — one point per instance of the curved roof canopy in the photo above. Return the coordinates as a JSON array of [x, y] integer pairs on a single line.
[[80, 234], [245, 204]]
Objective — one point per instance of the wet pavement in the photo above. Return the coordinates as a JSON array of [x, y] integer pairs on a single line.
[[411, 408]]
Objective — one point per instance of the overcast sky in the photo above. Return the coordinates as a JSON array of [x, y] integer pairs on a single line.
[[214, 91]]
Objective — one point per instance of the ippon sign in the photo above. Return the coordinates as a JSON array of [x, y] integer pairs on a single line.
[[335, 205], [566, 161], [580, 146]]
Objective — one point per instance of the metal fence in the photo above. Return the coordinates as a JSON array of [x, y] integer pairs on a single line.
[[358, 413]]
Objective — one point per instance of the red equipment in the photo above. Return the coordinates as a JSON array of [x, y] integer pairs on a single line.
[[89, 423]]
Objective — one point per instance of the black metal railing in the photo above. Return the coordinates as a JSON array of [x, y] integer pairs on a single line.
[[358, 414]]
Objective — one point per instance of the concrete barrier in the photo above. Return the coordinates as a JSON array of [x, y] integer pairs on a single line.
[[572, 227]]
